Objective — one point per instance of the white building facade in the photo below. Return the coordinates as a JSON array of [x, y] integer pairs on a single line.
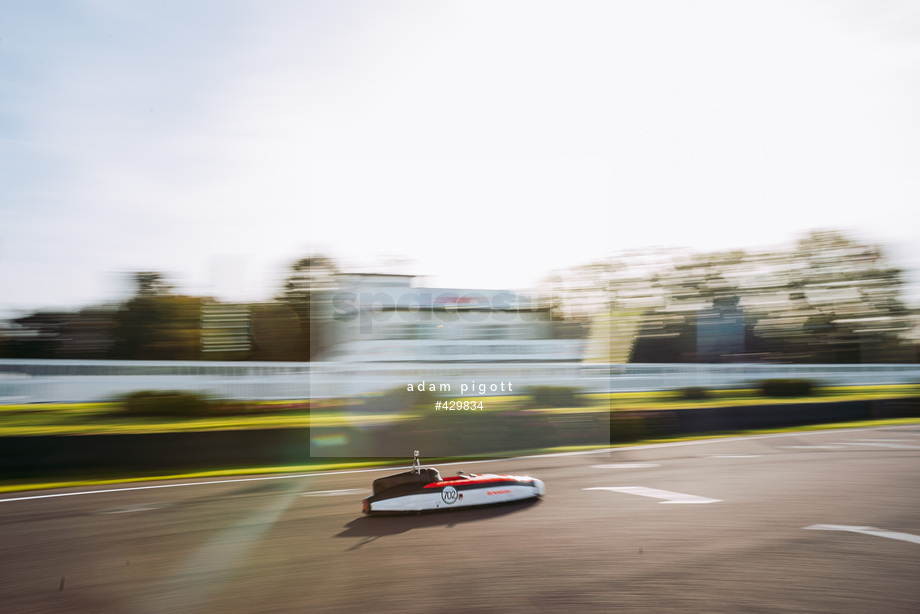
[[383, 318]]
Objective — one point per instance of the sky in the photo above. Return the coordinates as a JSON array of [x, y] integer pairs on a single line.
[[481, 144]]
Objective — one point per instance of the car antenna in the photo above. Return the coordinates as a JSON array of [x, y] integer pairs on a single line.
[[416, 465]]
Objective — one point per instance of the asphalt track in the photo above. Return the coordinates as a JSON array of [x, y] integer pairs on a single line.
[[810, 522]]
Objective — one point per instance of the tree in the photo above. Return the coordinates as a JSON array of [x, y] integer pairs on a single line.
[[85, 334], [37, 335], [156, 324], [150, 283], [829, 298], [275, 333], [308, 279]]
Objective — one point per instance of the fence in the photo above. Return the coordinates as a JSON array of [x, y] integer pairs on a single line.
[[49, 381]]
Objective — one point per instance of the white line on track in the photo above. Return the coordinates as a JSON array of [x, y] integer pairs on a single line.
[[667, 495], [905, 537], [626, 466], [233, 481], [334, 493], [816, 447], [897, 446], [732, 456], [127, 509], [650, 446], [846, 444]]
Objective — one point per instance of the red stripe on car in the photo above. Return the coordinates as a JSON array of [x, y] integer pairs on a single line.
[[462, 483]]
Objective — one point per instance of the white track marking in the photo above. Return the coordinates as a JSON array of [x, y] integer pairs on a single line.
[[889, 440], [626, 466], [733, 456], [905, 537], [233, 481], [667, 495], [127, 509], [608, 450], [825, 447], [334, 493], [897, 446], [846, 444]]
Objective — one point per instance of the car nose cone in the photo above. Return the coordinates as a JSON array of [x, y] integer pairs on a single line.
[[539, 487]]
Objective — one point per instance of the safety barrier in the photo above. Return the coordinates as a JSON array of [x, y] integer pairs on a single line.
[[49, 381]]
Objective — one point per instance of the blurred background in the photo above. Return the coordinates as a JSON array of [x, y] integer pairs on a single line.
[[653, 182], [825, 299]]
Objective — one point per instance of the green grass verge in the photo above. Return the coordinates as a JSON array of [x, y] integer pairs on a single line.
[[11, 486], [102, 418], [748, 397]]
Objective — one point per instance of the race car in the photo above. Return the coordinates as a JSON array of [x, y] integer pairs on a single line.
[[423, 489]]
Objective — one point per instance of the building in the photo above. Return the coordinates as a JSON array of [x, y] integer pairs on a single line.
[[375, 317]]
